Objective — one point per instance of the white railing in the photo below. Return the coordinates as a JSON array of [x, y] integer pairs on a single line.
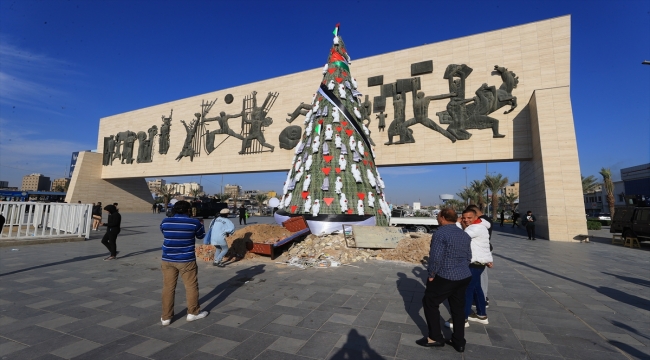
[[45, 220]]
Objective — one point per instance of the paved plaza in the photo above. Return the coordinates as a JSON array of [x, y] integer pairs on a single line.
[[548, 300]]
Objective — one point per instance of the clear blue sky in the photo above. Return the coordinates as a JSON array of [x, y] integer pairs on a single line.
[[66, 64]]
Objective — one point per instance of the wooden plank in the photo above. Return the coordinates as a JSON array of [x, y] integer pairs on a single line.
[[376, 237]]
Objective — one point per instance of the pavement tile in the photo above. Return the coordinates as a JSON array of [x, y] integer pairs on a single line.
[[346, 291], [227, 332], [233, 320], [270, 354], [504, 338], [75, 349], [385, 342], [422, 353], [123, 290], [288, 331], [580, 353], [165, 333], [60, 321], [251, 348], [219, 346], [319, 345], [315, 319], [31, 335], [290, 320], [96, 303], [539, 348], [342, 319], [146, 303], [533, 336], [100, 334], [490, 352], [182, 348], [287, 345], [148, 347], [9, 347], [35, 290], [116, 347], [368, 318], [399, 327], [117, 322], [43, 304]]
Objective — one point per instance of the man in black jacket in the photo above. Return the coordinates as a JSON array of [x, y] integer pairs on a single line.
[[530, 220], [113, 229], [97, 216], [242, 214]]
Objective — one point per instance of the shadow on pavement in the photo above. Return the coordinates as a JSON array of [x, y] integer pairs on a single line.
[[633, 280], [229, 286], [356, 347], [405, 286]]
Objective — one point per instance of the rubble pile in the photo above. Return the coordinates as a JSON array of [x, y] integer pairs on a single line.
[[330, 246], [413, 248], [243, 239]]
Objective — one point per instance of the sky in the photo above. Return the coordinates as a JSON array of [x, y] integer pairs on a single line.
[[66, 64]]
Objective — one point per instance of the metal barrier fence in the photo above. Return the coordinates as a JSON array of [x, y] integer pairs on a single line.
[[45, 220]]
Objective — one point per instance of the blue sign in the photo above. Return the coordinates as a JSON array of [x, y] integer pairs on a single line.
[[73, 162]]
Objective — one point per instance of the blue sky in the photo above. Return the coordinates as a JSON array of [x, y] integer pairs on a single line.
[[66, 64]]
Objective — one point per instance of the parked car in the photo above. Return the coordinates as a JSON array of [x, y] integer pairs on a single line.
[[632, 221], [604, 216], [413, 223]]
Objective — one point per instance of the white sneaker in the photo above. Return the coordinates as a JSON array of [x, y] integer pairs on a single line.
[[450, 324], [165, 322], [200, 315], [478, 318]]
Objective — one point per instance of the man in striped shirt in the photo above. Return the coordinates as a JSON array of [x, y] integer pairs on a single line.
[[178, 257]]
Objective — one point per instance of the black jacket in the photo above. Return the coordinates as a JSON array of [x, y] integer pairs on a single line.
[[97, 210], [114, 218]]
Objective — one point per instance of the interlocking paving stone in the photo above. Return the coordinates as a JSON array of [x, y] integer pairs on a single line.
[[44, 304], [249, 349], [55, 323], [182, 348], [148, 347], [532, 336], [96, 303], [288, 331], [219, 346], [75, 349], [290, 320], [288, 302], [233, 320], [287, 345], [346, 291], [227, 332], [35, 290], [117, 322], [124, 290], [146, 303], [10, 347], [319, 345]]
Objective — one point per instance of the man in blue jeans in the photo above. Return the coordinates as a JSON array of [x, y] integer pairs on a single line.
[[220, 228], [448, 268]]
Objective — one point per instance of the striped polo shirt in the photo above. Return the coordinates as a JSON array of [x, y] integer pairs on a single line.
[[179, 232]]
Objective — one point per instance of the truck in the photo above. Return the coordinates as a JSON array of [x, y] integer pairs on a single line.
[[632, 221], [413, 223]]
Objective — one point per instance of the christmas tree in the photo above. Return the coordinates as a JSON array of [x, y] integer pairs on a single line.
[[333, 176]]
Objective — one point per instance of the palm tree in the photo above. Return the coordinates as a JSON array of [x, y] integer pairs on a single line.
[[219, 196], [261, 198], [478, 188], [457, 205], [195, 193], [609, 187], [166, 194], [589, 184], [510, 200], [467, 195], [495, 183]]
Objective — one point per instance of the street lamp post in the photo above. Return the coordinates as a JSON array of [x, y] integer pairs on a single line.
[[465, 168]]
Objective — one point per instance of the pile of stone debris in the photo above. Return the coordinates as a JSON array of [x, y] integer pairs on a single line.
[[413, 248]]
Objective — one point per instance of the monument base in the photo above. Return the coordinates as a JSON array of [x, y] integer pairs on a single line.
[[87, 186]]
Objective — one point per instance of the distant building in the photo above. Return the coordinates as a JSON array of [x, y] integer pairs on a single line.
[[35, 182], [512, 188], [4, 184], [184, 188], [155, 185], [60, 184], [596, 201], [232, 191], [636, 180]]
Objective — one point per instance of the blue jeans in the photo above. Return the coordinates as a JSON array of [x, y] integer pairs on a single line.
[[223, 245], [475, 293]]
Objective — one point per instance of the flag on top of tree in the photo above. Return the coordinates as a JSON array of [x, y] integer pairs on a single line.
[[333, 171]]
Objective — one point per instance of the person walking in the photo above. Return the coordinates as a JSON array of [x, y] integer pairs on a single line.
[[220, 227], [448, 277], [178, 258], [530, 224], [154, 208], [242, 214], [97, 215], [503, 215], [481, 257], [515, 217], [112, 230]]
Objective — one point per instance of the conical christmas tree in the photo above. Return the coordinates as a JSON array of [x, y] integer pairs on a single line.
[[333, 177]]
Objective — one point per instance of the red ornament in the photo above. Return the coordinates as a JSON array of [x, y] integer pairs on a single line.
[[380, 212], [305, 194], [350, 211], [365, 162], [344, 123], [349, 132], [338, 170], [361, 196], [338, 79], [293, 209], [320, 98], [328, 158], [321, 122], [366, 153], [331, 70], [338, 128], [328, 201], [344, 73], [326, 170]]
